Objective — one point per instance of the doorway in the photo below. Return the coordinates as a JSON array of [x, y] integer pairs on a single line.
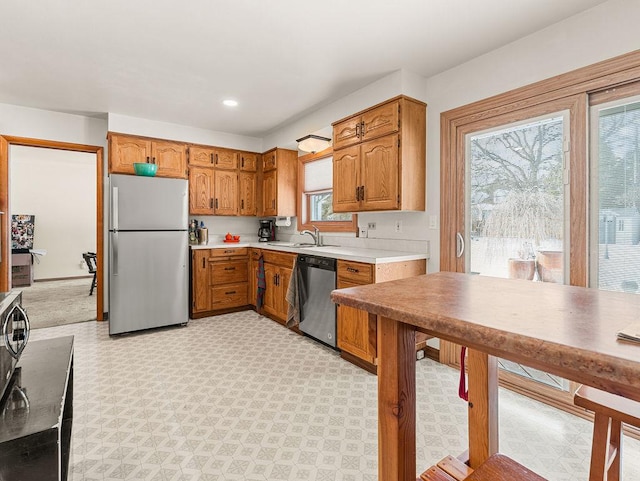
[[5, 248]]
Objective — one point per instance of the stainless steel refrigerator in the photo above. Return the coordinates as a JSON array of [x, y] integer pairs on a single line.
[[148, 253]]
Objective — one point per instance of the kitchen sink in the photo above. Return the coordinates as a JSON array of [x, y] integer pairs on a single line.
[[303, 244]]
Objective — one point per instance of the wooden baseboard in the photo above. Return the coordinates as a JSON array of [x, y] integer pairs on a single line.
[[432, 353], [367, 366], [63, 278], [200, 315]]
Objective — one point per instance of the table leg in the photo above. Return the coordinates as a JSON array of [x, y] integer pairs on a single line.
[[483, 406], [396, 401]]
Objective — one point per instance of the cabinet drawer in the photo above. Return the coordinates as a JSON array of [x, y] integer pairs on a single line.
[[228, 272], [229, 251], [355, 272], [230, 295], [279, 258]]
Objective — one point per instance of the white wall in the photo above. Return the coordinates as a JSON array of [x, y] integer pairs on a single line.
[[59, 188], [603, 32]]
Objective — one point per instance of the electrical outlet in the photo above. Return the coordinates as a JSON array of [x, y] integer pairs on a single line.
[[433, 222], [398, 227], [363, 232], [371, 226]]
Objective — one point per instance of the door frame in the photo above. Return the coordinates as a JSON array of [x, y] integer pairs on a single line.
[[5, 142]]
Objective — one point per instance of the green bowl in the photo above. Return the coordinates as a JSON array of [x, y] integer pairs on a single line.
[[148, 170]]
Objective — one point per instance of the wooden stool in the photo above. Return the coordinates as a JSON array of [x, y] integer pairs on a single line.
[[497, 468], [501, 468], [610, 412]]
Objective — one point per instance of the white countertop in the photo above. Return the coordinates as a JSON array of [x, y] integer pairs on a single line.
[[368, 256]]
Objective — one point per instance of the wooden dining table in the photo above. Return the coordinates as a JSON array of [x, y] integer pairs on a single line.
[[563, 330]]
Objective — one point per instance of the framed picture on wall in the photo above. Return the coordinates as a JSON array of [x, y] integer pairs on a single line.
[[22, 230]]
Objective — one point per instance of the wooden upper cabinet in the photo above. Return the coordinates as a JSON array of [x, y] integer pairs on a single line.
[[201, 190], [269, 160], [202, 156], [269, 193], [226, 159], [279, 182], [225, 192], [247, 187], [379, 174], [346, 179], [372, 123], [249, 161], [171, 158], [379, 158], [125, 150]]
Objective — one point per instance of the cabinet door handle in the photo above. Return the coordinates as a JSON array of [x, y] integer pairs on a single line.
[[357, 193], [216, 159], [242, 204], [212, 157], [216, 203], [211, 203], [153, 160], [229, 268], [351, 269], [358, 130], [203, 263], [230, 292], [228, 252], [362, 192], [242, 162], [362, 129], [147, 159]]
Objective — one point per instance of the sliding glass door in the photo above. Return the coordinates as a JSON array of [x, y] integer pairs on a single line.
[[615, 195], [516, 191]]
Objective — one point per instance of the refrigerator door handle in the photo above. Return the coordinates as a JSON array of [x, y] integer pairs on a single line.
[[114, 252], [114, 209]]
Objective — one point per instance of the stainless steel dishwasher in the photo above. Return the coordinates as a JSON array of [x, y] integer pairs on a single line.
[[317, 278]]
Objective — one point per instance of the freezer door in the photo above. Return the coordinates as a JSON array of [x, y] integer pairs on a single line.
[[148, 203], [148, 280]]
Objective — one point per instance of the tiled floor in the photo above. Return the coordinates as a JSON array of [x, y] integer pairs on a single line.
[[240, 397]]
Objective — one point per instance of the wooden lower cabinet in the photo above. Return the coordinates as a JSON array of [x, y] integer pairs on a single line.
[[200, 298], [254, 259], [219, 280], [278, 267], [357, 330]]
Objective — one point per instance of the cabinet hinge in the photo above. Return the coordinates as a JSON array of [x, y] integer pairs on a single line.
[[398, 142]]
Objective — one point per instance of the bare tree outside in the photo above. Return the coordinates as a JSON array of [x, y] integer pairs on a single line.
[[517, 190]]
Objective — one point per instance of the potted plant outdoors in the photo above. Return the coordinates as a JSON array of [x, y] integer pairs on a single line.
[[528, 217]]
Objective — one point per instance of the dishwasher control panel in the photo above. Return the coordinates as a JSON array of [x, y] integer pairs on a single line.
[[319, 262]]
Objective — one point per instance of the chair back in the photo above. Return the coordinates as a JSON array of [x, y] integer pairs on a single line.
[[90, 259]]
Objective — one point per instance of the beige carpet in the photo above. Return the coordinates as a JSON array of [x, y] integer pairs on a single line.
[[54, 303]]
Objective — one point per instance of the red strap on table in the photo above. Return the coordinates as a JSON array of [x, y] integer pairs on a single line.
[[463, 392]]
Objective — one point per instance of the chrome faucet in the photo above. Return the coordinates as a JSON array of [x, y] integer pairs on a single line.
[[315, 235]]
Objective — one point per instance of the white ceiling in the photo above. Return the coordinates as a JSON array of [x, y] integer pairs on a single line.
[[175, 61]]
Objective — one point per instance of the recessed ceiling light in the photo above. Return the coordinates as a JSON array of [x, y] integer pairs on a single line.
[[230, 103]]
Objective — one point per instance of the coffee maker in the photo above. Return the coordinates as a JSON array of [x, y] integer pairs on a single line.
[[267, 231]]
